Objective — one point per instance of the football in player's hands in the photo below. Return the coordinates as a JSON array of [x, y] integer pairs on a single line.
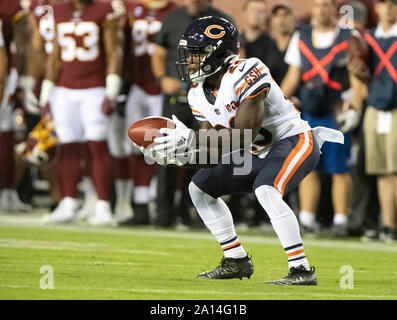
[[108, 106], [144, 131]]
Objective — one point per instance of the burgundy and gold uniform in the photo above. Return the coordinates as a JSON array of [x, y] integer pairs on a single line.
[[144, 24], [80, 38], [144, 21], [81, 87], [11, 13]]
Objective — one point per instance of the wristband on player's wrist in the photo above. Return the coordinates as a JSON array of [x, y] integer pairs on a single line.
[[113, 85], [46, 88]]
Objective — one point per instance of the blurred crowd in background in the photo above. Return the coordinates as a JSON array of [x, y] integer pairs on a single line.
[[77, 73]]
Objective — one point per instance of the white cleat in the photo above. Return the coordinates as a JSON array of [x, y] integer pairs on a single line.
[[123, 211], [65, 212], [10, 202], [88, 208], [103, 215]]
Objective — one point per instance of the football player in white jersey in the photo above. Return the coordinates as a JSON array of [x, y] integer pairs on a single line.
[[236, 96]]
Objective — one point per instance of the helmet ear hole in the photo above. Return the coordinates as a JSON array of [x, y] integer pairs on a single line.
[[207, 68], [209, 48]]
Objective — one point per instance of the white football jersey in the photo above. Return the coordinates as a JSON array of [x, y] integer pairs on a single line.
[[245, 79]]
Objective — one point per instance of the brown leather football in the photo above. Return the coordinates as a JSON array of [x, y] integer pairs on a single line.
[[144, 131]]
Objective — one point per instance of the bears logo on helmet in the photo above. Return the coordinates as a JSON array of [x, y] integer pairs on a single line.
[[41, 149], [208, 32], [213, 41]]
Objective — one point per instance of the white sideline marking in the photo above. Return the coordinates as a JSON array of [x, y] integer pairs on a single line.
[[14, 286], [132, 264], [201, 292], [206, 236], [57, 244], [69, 246], [110, 263], [266, 239]]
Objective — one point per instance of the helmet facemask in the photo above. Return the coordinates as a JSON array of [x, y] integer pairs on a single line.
[[204, 57]]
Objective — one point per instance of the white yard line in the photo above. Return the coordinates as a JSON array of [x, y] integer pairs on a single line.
[[249, 295], [206, 236], [70, 246], [255, 239], [105, 263], [133, 264], [58, 244], [14, 286]]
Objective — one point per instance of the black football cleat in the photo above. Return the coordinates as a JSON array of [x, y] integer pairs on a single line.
[[298, 277], [230, 268]]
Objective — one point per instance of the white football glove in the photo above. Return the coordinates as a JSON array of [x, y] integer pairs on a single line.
[[148, 153], [178, 140], [30, 101], [349, 119], [159, 157]]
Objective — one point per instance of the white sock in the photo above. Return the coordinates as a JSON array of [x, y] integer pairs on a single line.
[[284, 223], [141, 194], [340, 219], [307, 218], [218, 219], [7, 193], [121, 188], [103, 208], [88, 187], [70, 204]]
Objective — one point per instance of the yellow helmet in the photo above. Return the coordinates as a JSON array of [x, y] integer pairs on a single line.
[[155, 4], [41, 149]]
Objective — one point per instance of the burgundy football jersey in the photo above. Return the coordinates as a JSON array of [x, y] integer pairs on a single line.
[[80, 37], [144, 23]]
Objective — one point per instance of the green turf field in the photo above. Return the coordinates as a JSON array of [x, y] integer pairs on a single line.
[[147, 263]]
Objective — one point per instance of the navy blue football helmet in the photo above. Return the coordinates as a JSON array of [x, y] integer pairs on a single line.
[[213, 41]]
